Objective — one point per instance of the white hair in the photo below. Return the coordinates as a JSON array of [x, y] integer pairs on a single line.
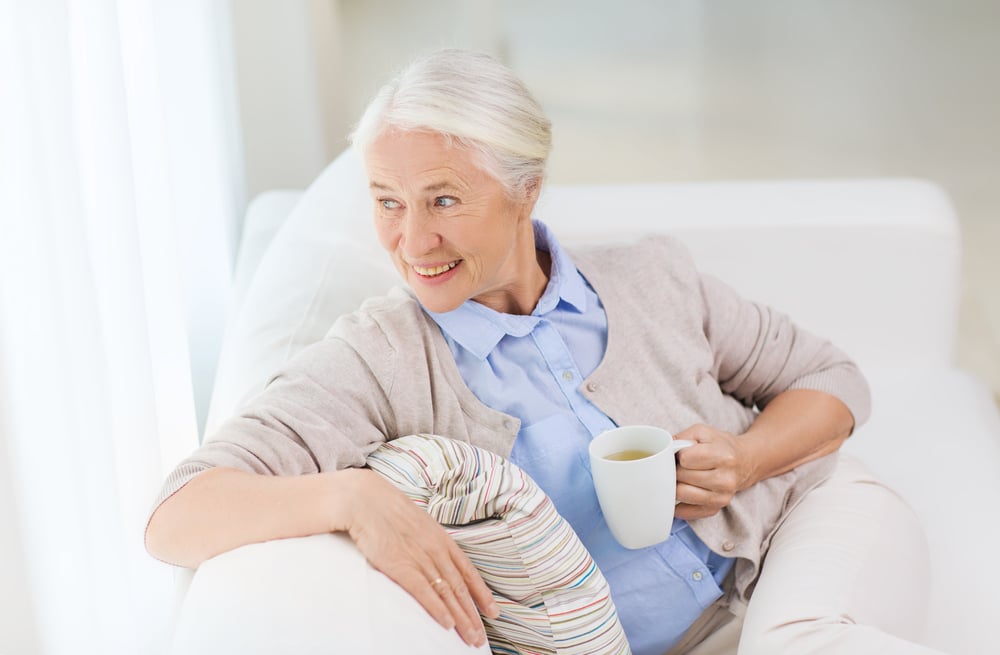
[[473, 99]]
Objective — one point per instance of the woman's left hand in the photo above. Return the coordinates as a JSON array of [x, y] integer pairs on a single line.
[[711, 472]]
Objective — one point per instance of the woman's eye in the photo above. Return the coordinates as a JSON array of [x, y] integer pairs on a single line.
[[388, 203], [445, 201]]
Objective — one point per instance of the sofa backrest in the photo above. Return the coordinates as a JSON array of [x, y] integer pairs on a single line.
[[872, 264]]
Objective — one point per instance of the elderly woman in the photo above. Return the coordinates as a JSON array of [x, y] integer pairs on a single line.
[[507, 341]]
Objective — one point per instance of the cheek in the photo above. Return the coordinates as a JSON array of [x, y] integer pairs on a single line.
[[387, 235]]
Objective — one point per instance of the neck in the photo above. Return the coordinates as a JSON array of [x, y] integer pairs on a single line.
[[533, 268]]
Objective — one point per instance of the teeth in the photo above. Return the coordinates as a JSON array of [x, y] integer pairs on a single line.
[[437, 270]]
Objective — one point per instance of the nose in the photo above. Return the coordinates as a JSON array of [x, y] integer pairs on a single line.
[[418, 235]]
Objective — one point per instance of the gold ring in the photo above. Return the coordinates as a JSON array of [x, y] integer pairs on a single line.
[[437, 584]]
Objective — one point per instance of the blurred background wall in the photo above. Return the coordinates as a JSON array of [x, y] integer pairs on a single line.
[[647, 90]]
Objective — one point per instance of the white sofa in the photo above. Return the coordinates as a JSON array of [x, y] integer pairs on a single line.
[[872, 264]]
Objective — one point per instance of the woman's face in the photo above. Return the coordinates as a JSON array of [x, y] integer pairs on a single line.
[[450, 228]]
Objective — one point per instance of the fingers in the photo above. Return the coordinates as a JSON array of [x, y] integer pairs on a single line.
[[711, 451], [716, 463], [439, 588], [689, 512], [710, 488], [444, 591], [410, 547], [707, 473], [710, 500], [417, 585], [468, 590], [455, 597], [722, 482]]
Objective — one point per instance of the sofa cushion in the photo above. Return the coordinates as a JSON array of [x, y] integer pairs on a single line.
[[321, 263], [549, 590]]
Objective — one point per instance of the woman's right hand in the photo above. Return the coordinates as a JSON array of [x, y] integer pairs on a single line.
[[405, 543]]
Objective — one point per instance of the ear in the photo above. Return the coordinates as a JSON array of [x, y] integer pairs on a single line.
[[531, 192], [532, 189]]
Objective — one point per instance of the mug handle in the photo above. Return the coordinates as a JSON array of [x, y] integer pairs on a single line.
[[681, 444]]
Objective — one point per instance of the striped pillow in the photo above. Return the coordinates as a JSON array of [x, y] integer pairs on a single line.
[[552, 597]]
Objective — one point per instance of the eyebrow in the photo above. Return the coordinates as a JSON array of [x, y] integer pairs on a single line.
[[436, 186]]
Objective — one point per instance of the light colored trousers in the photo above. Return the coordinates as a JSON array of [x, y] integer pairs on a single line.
[[846, 574]]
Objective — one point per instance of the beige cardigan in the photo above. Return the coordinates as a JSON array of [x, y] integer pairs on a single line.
[[682, 348]]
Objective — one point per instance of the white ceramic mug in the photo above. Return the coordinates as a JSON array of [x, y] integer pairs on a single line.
[[637, 496]]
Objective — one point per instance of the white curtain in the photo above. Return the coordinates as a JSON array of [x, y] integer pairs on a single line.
[[119, 191]]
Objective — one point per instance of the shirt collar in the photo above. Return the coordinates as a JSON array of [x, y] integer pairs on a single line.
[[479, 329]]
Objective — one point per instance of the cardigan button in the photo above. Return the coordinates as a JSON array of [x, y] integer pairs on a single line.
[[591, 386], [508, 424], [728, 546]]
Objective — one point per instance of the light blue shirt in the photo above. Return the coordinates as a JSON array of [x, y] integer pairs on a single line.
[[532, 367]]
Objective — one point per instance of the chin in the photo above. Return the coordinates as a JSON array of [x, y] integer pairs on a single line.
[[439, 305]]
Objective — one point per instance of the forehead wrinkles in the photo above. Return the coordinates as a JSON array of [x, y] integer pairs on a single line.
[[427, 180], [419, 160]]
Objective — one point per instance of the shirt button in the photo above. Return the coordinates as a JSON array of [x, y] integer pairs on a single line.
[[728, 546], [696, 575], [591, 386], [567, 375]]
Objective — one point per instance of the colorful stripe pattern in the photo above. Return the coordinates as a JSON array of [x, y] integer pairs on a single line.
[[552, 597]]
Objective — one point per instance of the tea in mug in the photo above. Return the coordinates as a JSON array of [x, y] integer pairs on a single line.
[[628, 455]]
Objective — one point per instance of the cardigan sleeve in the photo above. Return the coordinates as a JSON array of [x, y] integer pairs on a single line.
[[759, 352], [327, 409]]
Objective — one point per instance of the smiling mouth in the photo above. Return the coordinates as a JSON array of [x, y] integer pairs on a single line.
[[434, 271]]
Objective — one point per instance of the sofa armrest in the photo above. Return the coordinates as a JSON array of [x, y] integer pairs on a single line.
[[934, 437], [311, 595]]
